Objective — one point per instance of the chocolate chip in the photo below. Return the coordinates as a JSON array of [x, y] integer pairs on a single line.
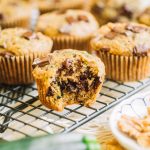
[[125, 11], [140, 50], [110, 35], [40, 62], [7, 54], [83, 18], [87, 74], [58, 97], [49, 92], [85, 86], [62, 85], [71, 86], [1, 16], [105, 49], [69, 71], [135, 28], [96, 82], [29, 35], [70, 19]]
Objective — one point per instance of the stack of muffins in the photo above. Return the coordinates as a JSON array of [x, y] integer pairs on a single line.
[[71, 44]]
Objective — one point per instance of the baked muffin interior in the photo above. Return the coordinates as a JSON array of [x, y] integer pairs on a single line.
[[72, 79]]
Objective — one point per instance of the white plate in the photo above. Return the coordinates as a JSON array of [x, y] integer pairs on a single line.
[[134, 106]]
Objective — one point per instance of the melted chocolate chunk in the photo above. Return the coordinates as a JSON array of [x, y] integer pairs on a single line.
[[70, 19], [7, 54], [49, 92], [40, 62], [1, 16], [96, 82], [140, 50], [29, 35], [125, 11], [69, 72], [83, 18], [110, 35], [135, 28], [85, 85], [71, 86]]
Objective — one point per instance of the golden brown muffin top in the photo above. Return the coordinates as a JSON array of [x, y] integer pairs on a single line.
[[13, 9], [20, 42], [123, 39], [119, 10], [54, 60], [77, 23], [144, 17]]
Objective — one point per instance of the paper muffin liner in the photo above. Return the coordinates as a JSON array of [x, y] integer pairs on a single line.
[[49, 8], [65, 42], [17, 70], [125, 68], [16, 22]]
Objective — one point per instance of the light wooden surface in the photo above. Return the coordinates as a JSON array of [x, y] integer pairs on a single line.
[[99, 127]]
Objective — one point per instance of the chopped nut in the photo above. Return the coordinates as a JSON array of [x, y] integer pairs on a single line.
[[49, 92]]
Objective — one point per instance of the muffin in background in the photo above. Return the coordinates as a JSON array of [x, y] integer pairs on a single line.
[[18, 48], [51, 5], [68, 29], [68, 77], [144, 17], [125, 50], [14, 13], [118, 10]]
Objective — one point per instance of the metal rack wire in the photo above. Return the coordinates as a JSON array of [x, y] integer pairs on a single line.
[[21, 113]]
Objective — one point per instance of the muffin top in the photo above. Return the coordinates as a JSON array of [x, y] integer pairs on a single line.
[[13, 9], [20, 42], [123, 39], [53, 61], [77, 23], [144, 17], [57, 4], [119, 10]]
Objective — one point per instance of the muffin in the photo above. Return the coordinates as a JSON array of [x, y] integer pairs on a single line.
[[118, 10], [68, 29], [68, 77], [144, 17], [125, 50], [51, 5], [18, 48], [15, 13]]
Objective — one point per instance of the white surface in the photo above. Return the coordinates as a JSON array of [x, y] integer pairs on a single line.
[[139, 109]]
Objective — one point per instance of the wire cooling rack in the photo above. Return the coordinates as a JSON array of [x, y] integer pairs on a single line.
[[22, 115]]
